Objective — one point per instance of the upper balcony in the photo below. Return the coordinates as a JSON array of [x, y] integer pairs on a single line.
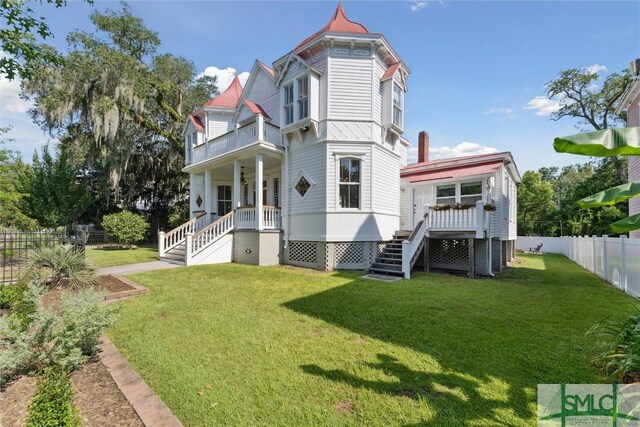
[[257, 132]]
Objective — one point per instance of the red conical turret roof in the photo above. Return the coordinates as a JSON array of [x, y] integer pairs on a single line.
[[229, 98], [339, 23]]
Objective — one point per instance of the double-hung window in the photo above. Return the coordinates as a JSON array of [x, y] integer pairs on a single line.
[[288, 104], [446, 194], [466, 193], [350, 183], [276, 192], [470, 192], [397, 105], [303, 97]]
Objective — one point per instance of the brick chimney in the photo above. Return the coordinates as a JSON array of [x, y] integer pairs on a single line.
[[423, 147]]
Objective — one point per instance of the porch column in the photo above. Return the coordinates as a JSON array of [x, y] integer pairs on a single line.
[[208, 196], [236, 184], [192, 196], [259, 201]]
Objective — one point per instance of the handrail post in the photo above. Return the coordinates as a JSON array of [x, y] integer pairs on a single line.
[[479, 219], [188, 248], [406, 261], [161, 243], [605, 260], [623, 259]]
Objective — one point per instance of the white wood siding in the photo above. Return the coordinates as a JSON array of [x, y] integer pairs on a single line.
[[376, 87], [311, 161], [219, 123], [386, 181], [405, 205], [263, 91], [350, 93]]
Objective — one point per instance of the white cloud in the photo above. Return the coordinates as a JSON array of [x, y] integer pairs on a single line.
[[416, 6], [225, 76], [10, 101], [596, 68], [543, 106], [465, 148], [502, 112]]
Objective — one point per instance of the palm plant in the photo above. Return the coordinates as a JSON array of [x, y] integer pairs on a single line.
[[618, 354], [56, 266]]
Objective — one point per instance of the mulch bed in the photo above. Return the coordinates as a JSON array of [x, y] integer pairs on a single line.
[[110, 284], [98, 398]]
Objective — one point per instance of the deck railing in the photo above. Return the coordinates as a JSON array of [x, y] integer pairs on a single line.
[[246, 218], [258, 130], [471, 219]]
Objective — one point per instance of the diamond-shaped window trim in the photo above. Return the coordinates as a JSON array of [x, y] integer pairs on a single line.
[[303, 185], [199, 201]]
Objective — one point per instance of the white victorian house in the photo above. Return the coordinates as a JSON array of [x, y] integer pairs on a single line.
[[307, 165]]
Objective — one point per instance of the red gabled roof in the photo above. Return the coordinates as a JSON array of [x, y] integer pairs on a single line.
[[255, 108], [339, 23], [197, 123], [229, 98], [453, 172], [390, 71], [266, 68]]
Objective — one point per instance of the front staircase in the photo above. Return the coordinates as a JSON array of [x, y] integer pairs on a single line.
[[195, 241]]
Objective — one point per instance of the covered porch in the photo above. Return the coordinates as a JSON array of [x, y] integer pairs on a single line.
[[247, 183]]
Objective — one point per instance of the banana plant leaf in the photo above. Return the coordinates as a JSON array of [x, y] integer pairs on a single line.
[[602, 143], [611, 196], [628, 224]]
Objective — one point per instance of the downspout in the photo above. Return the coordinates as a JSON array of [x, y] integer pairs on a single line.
[[286, 181]]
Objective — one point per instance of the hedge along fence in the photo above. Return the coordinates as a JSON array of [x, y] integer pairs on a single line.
[[614, 259]]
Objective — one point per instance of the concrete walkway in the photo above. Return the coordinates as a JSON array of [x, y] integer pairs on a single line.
[[143, 267]]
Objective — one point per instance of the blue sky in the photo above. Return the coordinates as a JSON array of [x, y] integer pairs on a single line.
[[477, 66]]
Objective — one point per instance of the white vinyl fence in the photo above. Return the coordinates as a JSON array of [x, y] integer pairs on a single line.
[[614, 259]]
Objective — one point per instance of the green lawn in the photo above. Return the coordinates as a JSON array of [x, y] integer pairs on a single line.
[[240, 345], [109, 257]]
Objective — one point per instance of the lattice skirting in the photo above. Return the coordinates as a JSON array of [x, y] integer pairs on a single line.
[[451, 254], [333, 255]]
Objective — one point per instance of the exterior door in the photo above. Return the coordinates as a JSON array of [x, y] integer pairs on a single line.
[[420, 199]]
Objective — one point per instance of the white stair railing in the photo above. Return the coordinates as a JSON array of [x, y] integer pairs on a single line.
[[246, 218], [412, 244], [197, 242], [168, 241], [271, 217]]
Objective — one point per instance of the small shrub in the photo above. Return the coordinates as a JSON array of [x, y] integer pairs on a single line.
[[62, 340], [618, 350], [489, 207], [24, 305], [52, 405], [11, 293], [7, 254], [56, 266], [126, 227]]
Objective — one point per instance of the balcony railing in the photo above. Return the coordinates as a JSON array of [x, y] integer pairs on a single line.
[[246, 218], [245, 135]]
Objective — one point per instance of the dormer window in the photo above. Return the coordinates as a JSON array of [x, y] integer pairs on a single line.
[[303, 97], [397, 105], [288, 104]]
